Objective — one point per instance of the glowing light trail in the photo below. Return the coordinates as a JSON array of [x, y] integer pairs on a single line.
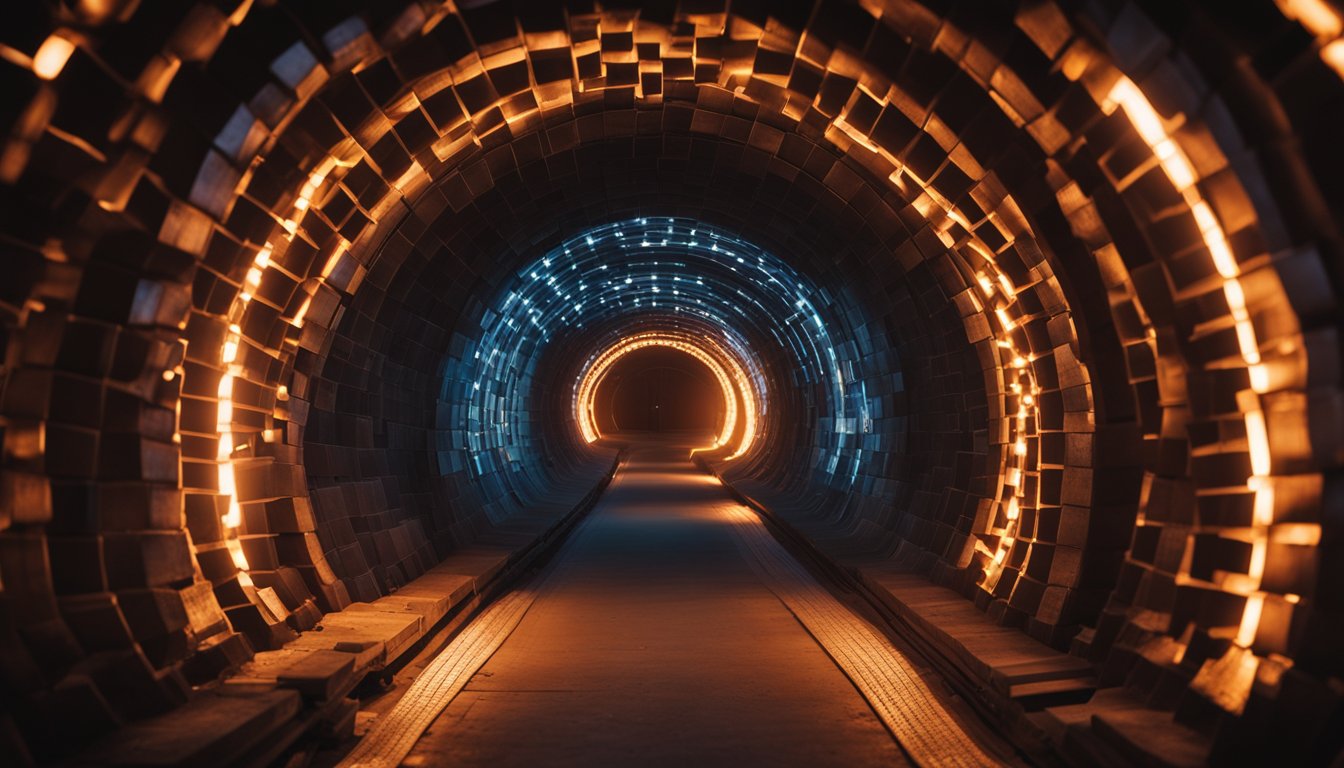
[[732, 378], [1149, 125], [229, 443]]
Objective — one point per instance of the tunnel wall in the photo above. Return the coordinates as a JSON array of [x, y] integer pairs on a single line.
[[929, 145]]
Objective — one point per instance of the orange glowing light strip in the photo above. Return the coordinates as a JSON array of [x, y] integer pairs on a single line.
[[1018, 371], [52, 55], [1018, 374], [597, 373], [1179, 170], [732, 379], [1322, 20], [232, 518], [1016, 365]]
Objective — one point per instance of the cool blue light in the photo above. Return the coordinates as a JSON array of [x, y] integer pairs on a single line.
[[726, 283]]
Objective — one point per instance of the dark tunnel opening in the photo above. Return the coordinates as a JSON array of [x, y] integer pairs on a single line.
[[322, 325], [659, 390]]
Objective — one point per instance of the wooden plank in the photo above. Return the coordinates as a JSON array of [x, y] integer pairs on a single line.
[[369, 653], [436, 583], [429, 609], [203, 612], [320, 675], [1037, 670], [394, 631], [1038, 695], [211, 730], [1001, 656], [1151, 737]]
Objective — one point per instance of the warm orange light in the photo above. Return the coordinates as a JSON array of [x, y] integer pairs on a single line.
[[297, 322], [1316, 15], [986, 284], [334, 259], [727, 371], [1141, 113], [1322, 21], [597, 373], [1263, 509], [228, 356], [1018, 376], [1297, 534], [1332, 54], [51, 57], [1175, 164], [1256, 570], [1257, 440], [236, 552], [1250, 620], [1259, 378]]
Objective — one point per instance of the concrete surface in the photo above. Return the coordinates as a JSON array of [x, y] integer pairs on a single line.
[[653, 643]]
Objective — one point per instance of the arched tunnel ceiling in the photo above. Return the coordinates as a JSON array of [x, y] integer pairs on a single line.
[[1081, 258], [655, 275]]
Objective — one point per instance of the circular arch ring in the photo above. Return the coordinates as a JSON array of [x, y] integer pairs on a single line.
[[727, 370]]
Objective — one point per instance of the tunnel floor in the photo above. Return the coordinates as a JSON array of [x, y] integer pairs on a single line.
[[653, 640]]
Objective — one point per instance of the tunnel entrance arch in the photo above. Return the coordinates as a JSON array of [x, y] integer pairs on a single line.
[[743, 397], [732, 404], [674, 281]]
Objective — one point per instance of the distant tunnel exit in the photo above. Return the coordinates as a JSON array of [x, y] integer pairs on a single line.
[[659, 389]]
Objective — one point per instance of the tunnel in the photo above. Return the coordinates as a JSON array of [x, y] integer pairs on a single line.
[[659, 390], [848, 382]]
